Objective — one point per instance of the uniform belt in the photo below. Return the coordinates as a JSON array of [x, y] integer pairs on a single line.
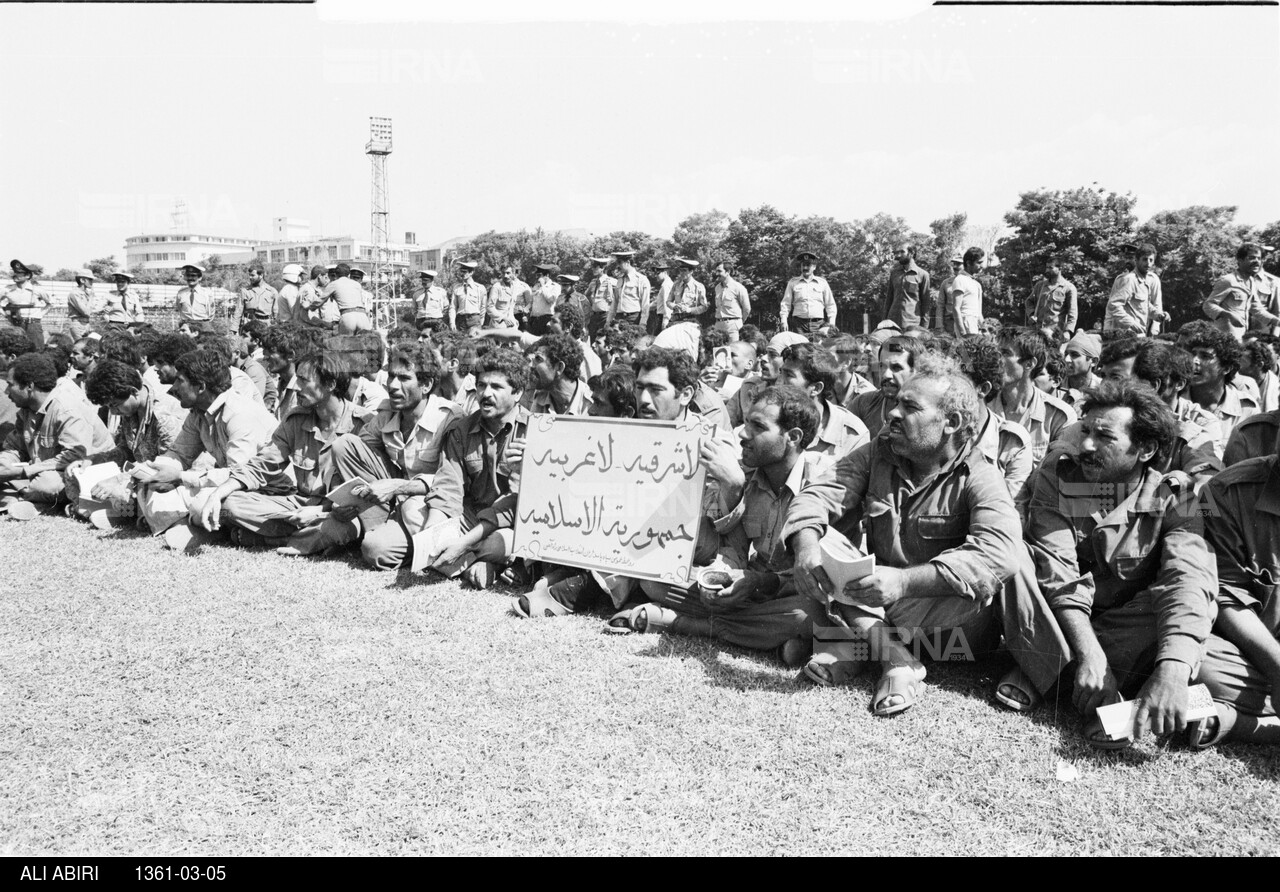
[[354, 310]]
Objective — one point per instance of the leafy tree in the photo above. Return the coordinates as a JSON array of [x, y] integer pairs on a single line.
[[879, 236], [1194, 246], [699, 237], [103, 267], [1269, 236], [526, 249], [1083, 227], [64, 275], [948, 239], [648, 248]]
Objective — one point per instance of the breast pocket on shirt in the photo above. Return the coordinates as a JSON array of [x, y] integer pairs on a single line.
[[1133, 567], [474, 465], [948, 529], [302, 461]]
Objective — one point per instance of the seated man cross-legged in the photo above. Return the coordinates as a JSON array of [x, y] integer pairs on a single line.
[[951, 571]]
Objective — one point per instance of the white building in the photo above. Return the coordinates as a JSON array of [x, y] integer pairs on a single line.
[[171, 250], [435, 256], [355, 252]]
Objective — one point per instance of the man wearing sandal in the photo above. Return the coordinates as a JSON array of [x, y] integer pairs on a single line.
[[1121, 558], [951, 570], [756, 606]]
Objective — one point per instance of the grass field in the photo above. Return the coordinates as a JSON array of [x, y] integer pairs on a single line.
[[238, 703]]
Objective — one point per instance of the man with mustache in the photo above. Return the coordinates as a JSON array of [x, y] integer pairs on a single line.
[[480, 452], [951, 571], [808, 303], [896, 358], [1121, 558], [769, 367], [1247, 298]]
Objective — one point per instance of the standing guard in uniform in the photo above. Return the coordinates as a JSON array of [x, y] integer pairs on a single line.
[[543, 297], [433, 304], [195, 302], [688, 299], [81, 304], [808, 303], [289, 308], [631, 297], [466, 308], [257, 300], [601, 292], [19, 301]]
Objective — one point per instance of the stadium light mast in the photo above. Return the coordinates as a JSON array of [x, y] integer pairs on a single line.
[[378, 148]]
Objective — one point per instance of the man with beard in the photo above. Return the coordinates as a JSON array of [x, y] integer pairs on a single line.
[[229, 427], [1006, 444], [1019, 400], [302, 442], [256, 300], [555, 382], [733, 305], [906, 299], [1054, 303], [1081, 356], [896, 359], [462, 531], [1135, 306], [770, 366], [1246, 298], [951, 572], [1121, 559], [760, 608]]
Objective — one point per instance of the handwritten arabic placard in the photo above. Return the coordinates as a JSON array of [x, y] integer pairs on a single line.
[[618, 495]]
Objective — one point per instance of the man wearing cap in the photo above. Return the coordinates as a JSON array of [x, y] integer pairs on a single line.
[[1055, 303], [631, 297], [195, 302], [82, 303], [1081, 354], [124, 308], [1135, 305], [433, 304], [808, 302], [506, 295], [601, 293], [1247, 298], [19, 302], [468, 298], [348, 297], [366, 296], [906, 299], [688, 299], [289, 308], [661, 295], [733, 305], [257, 300], [964, 294], [543, 297]]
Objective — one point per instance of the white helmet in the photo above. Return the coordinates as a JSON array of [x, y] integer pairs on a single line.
[[292, 273]]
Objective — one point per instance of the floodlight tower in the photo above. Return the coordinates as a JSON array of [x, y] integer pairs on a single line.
[[378, 148]]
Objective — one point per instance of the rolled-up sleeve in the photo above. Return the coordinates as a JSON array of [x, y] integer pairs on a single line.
[[829, 498], [1186, 589], [449, 483], [1051, 535], [270, 462]]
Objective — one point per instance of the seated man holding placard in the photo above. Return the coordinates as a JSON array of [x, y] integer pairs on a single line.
[[951, 572], [463, 531], [756, 606], [1121, 558]]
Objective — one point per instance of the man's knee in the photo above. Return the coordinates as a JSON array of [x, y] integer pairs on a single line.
[[385, 547], [46, 486]]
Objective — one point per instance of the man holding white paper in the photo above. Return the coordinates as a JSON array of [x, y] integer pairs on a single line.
[[951, 572], [755, 604], [1121, 558]]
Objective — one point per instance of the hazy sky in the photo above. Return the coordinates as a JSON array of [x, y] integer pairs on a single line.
[[111, 113]]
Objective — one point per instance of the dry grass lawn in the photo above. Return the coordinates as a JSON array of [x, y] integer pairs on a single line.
[[239, 703]]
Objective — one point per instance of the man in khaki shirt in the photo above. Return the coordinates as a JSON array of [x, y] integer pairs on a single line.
[[808, 303]]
